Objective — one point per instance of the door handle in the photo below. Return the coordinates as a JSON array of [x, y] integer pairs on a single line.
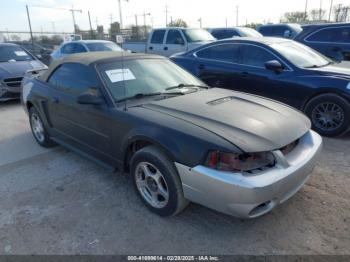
[[165, 48], [150, 48], [201, 67]]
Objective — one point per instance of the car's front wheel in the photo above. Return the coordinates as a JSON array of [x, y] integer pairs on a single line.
[[157, 182], [38, 129], [329, 114]]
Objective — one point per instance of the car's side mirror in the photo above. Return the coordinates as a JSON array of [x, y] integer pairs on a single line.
[[89, 98], [274, 66], [287, 34]]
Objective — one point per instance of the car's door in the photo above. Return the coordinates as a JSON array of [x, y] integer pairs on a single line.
[[217, 65], [333, 42], [174, 43], [156, 42], [85, 126], [256, 79]]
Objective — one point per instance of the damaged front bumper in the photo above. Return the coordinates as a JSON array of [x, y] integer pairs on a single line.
[[249, 196]]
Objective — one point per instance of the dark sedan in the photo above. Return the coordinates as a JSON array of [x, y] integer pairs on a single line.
[[14, 63], [180, 140], [332, 40], [280, 69]]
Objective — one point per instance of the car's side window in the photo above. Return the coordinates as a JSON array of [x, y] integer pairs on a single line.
[[340, 34], [157, 37], [174, 37], [255, 56], [222, 52], [68, 49], [79, 48], [74, 79]]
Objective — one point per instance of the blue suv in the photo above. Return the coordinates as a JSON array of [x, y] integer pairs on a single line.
[[332, 40]]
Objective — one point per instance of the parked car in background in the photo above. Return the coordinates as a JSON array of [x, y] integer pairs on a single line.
[[168, 41], [42, 52], [229, 32], [83, 46], [14, 63], [280, 69], [178, 139], [280, 30], [332, 40]]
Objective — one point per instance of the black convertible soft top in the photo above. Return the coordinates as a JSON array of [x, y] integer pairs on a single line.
[[93, 58]]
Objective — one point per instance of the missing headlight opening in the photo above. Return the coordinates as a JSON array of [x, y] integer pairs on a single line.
[[247, 162]]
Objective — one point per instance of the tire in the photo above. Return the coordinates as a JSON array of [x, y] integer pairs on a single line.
[[157, 165], [43, 139], [336, 120]]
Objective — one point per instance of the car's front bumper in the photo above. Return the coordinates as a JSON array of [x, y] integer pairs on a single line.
[[8, 93], [251, 196]]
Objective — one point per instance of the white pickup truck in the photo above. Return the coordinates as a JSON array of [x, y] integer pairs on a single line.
[[168, 41]]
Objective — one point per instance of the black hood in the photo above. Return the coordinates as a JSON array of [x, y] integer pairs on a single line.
[[251, 123]]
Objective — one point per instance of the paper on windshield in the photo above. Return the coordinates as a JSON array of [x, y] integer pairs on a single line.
[[117, 75], [20, 53]]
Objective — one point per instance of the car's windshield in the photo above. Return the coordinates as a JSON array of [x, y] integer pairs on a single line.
[[250, 32], [13, 54], [197, 35], [103, 46], [144, 76], [300, 55]]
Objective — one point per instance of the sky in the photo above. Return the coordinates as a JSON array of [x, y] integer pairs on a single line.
[[213, 13]]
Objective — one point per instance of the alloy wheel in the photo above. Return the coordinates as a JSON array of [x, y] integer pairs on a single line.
[[151, 184], [328, 116], [37, 127]]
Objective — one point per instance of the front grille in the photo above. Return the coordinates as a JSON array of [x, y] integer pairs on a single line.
[[289, 148], [13, 81]]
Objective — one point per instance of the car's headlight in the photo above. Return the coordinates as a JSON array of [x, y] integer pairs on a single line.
[[239, 162]]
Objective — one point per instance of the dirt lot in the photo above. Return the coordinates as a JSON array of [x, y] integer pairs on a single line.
[[56, 202]]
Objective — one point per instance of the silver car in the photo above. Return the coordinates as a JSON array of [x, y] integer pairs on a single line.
[[83, 46]]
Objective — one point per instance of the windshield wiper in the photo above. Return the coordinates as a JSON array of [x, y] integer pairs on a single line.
[[139, 96], [179, 86]]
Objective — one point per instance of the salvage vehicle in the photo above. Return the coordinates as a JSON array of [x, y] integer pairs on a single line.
[[230, 32], [288, 30], [83, 46], [332, 40], [179, 139], [280, 69], [14, 62], [168, 41]]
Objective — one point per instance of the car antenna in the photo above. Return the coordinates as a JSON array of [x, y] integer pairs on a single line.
[[120, 40]]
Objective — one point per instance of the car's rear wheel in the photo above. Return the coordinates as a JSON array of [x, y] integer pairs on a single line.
[[38, 129], [157, 182], [329, 114]]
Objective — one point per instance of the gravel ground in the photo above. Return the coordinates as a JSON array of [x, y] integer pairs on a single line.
[[56, 202]]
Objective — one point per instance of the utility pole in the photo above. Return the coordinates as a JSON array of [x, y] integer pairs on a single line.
[[30, 26], [166, 15], [237, 11], [91, 32], [73, 16], [330, 11], [200, 22], [305, 13], [226, 21], [144, 23], [120, 14], [320, 13]]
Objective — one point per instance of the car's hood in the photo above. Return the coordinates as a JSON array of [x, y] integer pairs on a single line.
[[341, 70], [9, 69], [252, 123]]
